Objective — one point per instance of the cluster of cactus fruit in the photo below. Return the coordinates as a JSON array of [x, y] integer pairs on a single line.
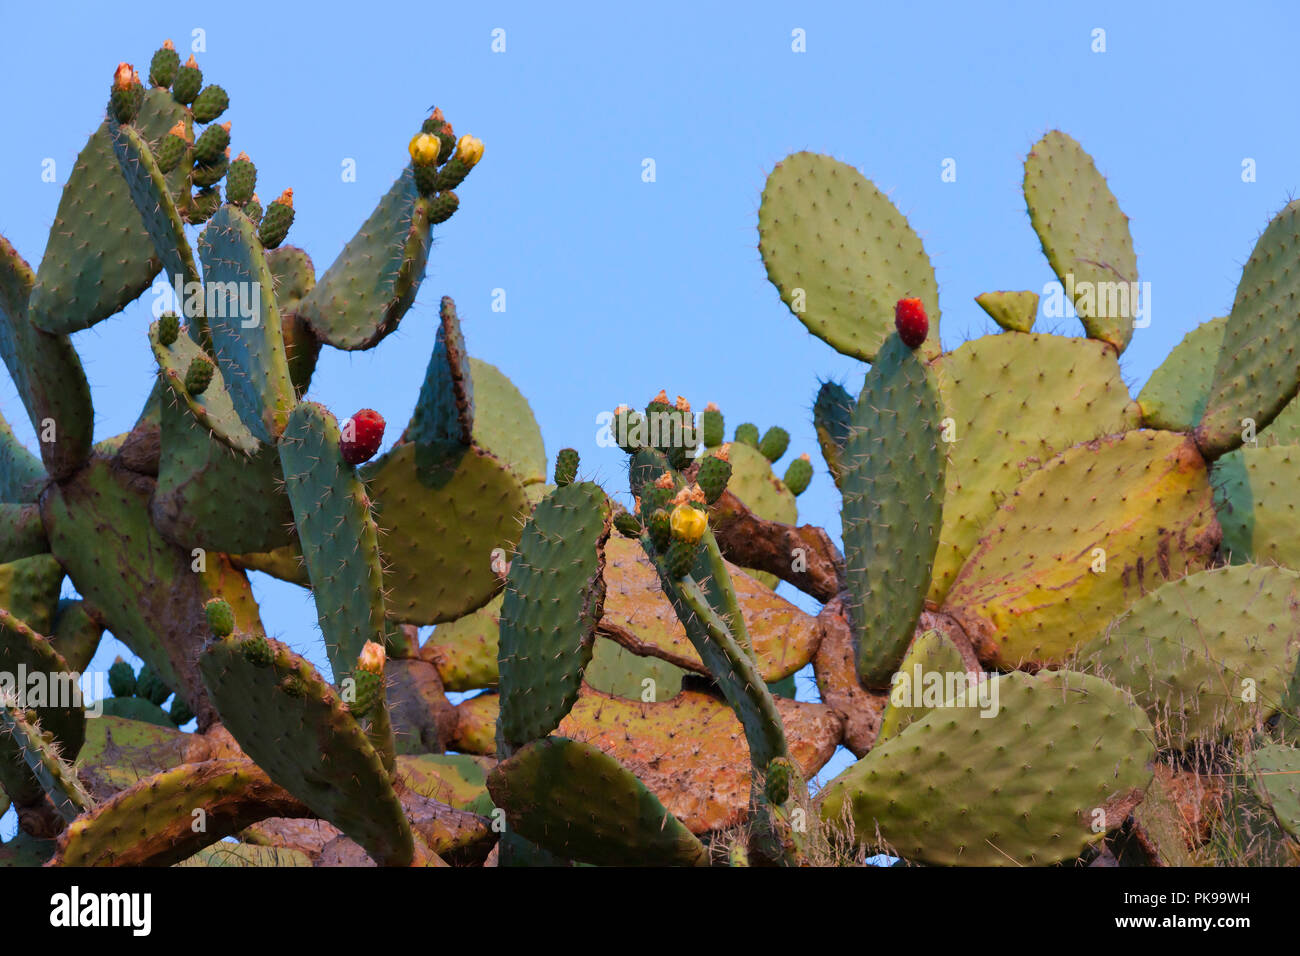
[[1064, 627]]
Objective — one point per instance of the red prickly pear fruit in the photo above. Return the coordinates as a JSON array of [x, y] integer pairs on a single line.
[[911, 322], [360, 436]]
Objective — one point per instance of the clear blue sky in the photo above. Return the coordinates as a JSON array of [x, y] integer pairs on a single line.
[[597, 265]]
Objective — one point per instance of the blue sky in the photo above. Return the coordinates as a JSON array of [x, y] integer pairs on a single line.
[[616, 287]]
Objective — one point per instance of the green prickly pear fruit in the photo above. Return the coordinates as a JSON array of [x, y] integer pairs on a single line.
[[209, 174], [241, 179], [180, 713], [627, 524], [747, 434], [210, 104], [171, 150], [777, 785], [150, 686], [661, 529], [443, 206], [566, 466], [199, 375], [206, 202], [775, 441], [162, 68], [711, 425], [469, 150], [121, 679], [370, 680], [169, 328], [211, 144], [253, 209], [799, 474], [627, 426], [221, 617], [277, 220], [714, 473], [127, 94], [188, 80], [257, 651], [680, 558]]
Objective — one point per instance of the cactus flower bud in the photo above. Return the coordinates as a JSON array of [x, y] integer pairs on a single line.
[[469, 150], [372, 658]]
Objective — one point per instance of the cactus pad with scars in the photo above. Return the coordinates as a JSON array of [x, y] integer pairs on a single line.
[[362, 297], [1080, 540], [295, 727], [338, 535], [841, 254], [1174, 396], [439, 532], [1084, 233], [214, 408], [99, 256], [1015, 401], [1257, 500], [579, 802], [893, 480], [249, 348], [1256, 374], [1025, 787], [46, 371], [552, 605], [1192, 649]]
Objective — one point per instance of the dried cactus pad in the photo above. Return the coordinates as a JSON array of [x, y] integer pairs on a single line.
[[841, 254], [1063, 760]]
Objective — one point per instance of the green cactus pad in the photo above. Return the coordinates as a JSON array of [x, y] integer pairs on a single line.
[[152, 196], [21, 472], [209, 496], [76, 634], [438, 537], [22, 650], [308, 743], [145, 588], [615, 670], [458, 780], [25, 851], [753, 483], [1139, 504], [44, 759], [1277, 784], [464, 651], [894, 463], [553, 602], [1013, 311], [295, 276], [1208, 654], [691, 750], [1065, 751], [213, 409], [931, 658], [830, 237], [576, 801], [151, 823], [1014, 401], [504, 424], [443, 420], [1174, 396], [362, 297], [1257, 500], [29, 590], [338, 535], [120, 751], [1084, 233], [1250, 381], [251, 357], [99, 256], [136, 708], [46, 372], [21, 532]]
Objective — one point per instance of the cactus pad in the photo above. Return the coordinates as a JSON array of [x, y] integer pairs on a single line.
[[1013, 311], [1174, 396]]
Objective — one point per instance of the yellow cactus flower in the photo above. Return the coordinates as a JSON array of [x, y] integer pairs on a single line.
[[688, 523], [424, 149], [469, 150]]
